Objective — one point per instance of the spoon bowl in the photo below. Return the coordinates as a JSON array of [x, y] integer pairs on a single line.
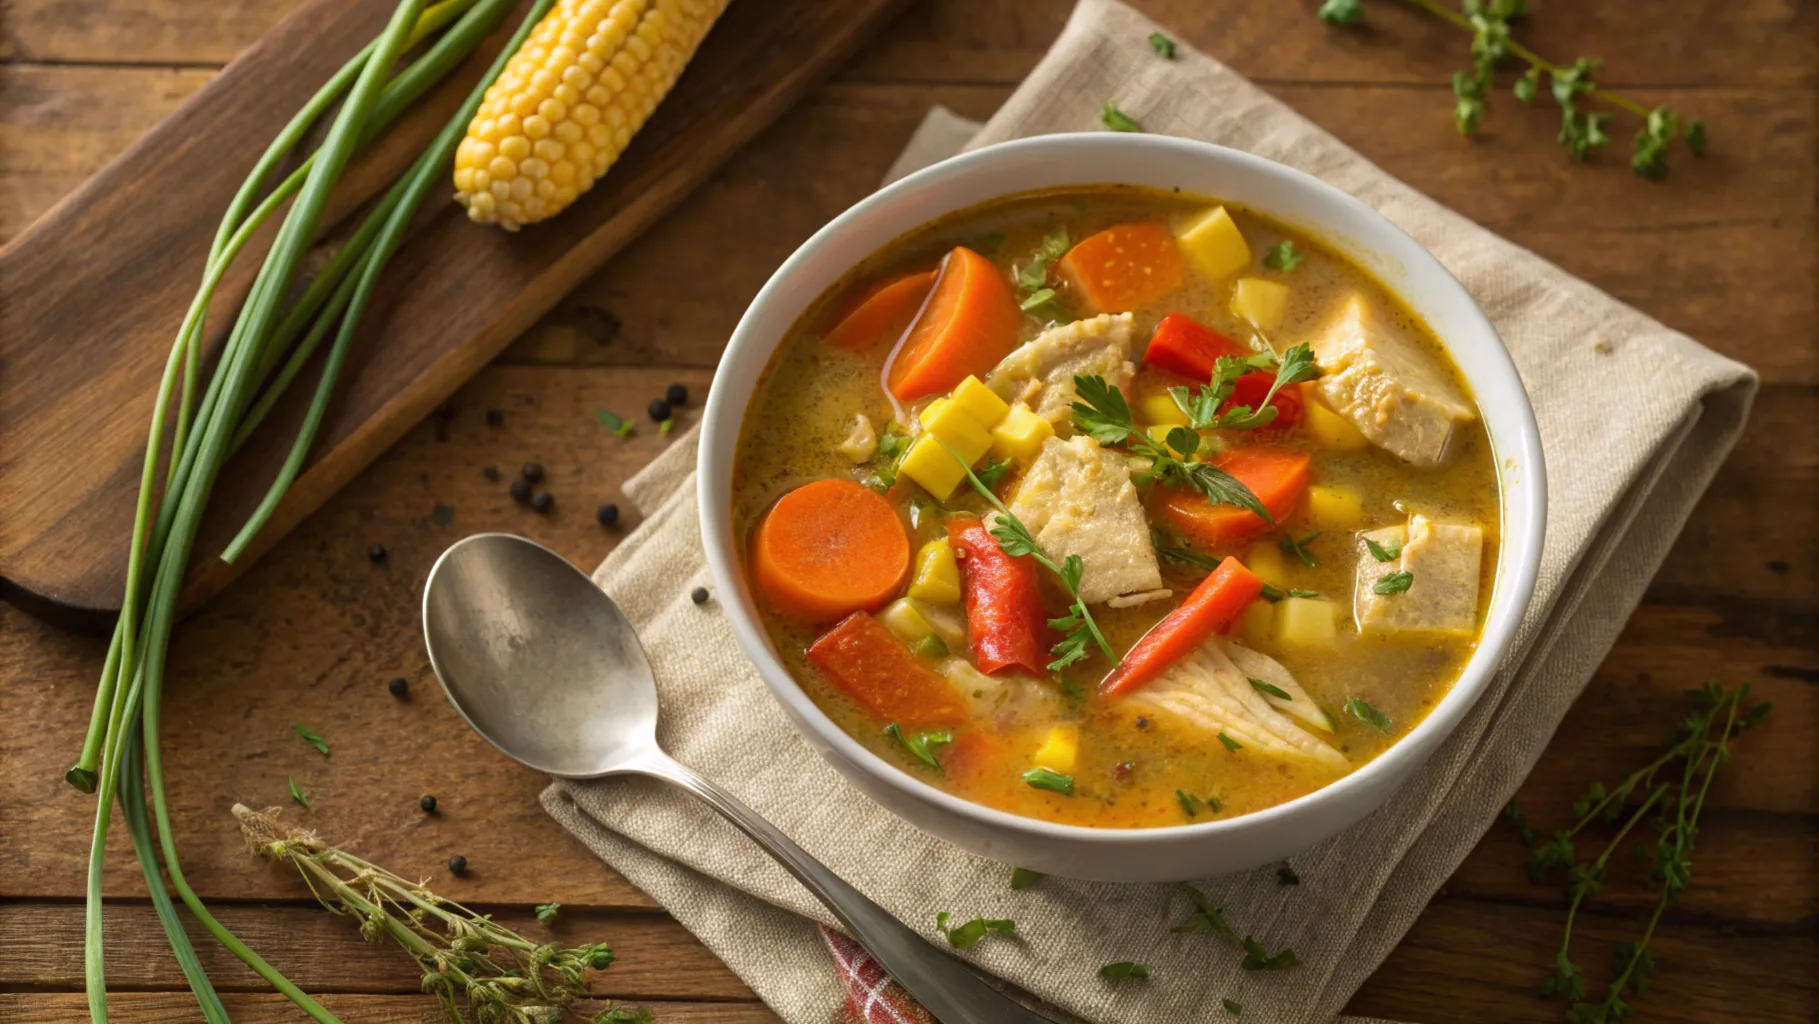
[[545, 667]]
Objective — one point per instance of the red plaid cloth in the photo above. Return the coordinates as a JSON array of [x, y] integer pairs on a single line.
[[871, 996]]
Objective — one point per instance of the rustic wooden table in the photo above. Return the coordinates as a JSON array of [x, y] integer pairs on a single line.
[[1726, 251]]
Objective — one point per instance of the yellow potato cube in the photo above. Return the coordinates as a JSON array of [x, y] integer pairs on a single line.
[[979, 402], [1266, 560], [1160, 410], [1059, 751], [1328, 428], [1259, 301], [937, 576], [932, 466], [1020, 434], [902, 618], [1306, 622], [1213, 243], [1258, 622], [1333, 505]]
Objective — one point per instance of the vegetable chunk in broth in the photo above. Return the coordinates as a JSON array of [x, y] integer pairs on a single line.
[[1117, 507]]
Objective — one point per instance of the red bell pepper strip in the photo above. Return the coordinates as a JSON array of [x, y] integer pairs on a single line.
[[869, 664], [1184, 346], [1004, 613], [1212, 608], [1249, 390]]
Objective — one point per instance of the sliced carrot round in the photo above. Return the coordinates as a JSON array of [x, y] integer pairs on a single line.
[[881, 313], [828, 549], [969, 322]]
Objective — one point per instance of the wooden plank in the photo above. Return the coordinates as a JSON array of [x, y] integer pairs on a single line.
[[654, 957], [65, 549], [180, 1008]]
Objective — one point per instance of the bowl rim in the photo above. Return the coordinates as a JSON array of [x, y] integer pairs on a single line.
[[1519, 557]]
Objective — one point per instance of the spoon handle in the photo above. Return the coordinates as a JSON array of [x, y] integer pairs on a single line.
[[954, 994]]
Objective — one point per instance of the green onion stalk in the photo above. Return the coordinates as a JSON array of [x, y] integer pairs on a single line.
[[121, 757]]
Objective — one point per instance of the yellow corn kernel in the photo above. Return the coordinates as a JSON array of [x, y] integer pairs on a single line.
[[1328, 428], [1335, 505], [1258, 622], [937, 576], [1266, 560], [902, 618], [1305, 622], [1160, 410], [589, 71], [1059, 751], [1213, 242], [978, 400], [1259, 301], [1020, 434]]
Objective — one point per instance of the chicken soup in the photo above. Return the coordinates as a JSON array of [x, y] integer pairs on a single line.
[[1117, 507]]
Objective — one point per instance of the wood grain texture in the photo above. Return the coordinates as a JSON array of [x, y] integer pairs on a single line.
[[83, 374], [1726, 251]]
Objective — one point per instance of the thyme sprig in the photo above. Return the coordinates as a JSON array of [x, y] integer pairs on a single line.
[[1698, 746], [470, 963], [1582, 132]]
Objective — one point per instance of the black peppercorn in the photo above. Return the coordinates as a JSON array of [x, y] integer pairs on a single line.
[[607, 514], [533, 471], [698, 595], [521, 490], [1142, 722], [676, 395], [494, 417], [458, 864], [376, 552], [659, 410], [428, 804], [491, 473], [543, 501], [399, 686]]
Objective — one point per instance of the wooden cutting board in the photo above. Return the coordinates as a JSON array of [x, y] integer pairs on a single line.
[[92, 294]]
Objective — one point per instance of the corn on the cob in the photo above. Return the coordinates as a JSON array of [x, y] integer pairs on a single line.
[[570, 100]]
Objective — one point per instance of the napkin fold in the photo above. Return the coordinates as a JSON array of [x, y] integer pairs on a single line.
[[1624, 472]]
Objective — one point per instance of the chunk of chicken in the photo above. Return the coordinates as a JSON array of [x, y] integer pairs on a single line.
[[1375, 373], [1262, 667], [861, 441], [1042, 372], [1077, 499], [1442, 560], [1207, 691]]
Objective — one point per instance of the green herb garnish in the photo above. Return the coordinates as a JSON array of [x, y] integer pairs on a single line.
[[1230, 744], [310, 737], [1363, 712], [930, 646], [993, 472], [1163, 45], [1381, 553], [1394, 583], [1117, 120], [1124, 970], [1023, 878], [1232, 1006], [1298, 592], [920, 744], [614, 423], [1179, 553], [296, 792], [1341, 12], [1102, 413], [1269, 690], [1202, 408], [1206, 916], [1054, 782], [1040, 297], [968, 935], [1190, 804], [546, 913], [1033, 277], [667, 424], [1257, 959], [1272, 594], [1297, 546], [1282, 256]]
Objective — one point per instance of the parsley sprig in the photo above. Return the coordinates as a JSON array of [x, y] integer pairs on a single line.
[[1077, 626], [1208, 917], [1673, 802], [1033, 291], [1102, 414], [968, 935], [1582, 132], [1296, 365]]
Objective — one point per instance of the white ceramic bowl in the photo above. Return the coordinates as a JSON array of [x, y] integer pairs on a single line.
[[1180, 851]]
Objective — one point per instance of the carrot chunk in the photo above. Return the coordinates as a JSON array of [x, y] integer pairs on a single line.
[[1184, 346], [869, 664], [968, 323], [1003, 595], [1277, 476], [1212, 608], [1124, 267], [881, 313], [829, 548]]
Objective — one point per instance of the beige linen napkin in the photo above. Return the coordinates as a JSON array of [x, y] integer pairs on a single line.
[[1623, 471]]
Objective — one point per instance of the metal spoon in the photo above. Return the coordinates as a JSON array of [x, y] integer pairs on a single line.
[[545, 667]]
